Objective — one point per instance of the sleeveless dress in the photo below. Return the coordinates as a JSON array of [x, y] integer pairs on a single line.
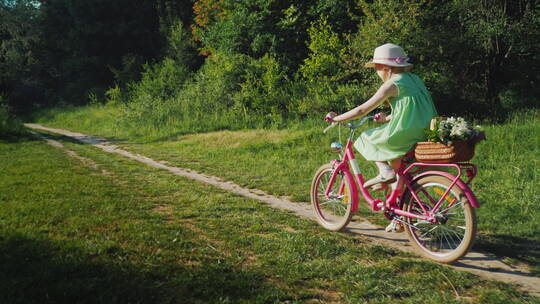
[[412, 112]]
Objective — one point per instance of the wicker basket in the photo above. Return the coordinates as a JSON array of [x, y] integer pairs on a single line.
[[431, 152]]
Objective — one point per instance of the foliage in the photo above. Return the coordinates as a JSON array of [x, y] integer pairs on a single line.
[[9, 124], [263, 89], [20, 66], [160, 81], [72, 52], [471, 65], [257, 27], [173, 12], [326, 51], [92, 43], [180, 47], [325, 96]]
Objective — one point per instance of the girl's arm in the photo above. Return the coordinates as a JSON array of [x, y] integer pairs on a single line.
[[387, 90]]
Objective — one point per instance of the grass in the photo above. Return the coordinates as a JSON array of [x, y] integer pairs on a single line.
[[282, 162], [73, 232]]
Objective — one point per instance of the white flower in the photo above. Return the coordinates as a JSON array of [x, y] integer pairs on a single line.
[[455, 128]]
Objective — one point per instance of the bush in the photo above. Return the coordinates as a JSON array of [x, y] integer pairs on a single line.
[[324, 96], [263, 90], [198, 103], [162, 80], [327, 50], [9, 123]]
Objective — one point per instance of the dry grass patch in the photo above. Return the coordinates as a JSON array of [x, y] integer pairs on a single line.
[[235, 139]]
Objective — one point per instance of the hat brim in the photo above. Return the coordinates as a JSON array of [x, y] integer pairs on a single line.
[[372, 64]]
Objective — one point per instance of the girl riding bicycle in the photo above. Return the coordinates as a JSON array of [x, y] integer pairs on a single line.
[[411, 112]]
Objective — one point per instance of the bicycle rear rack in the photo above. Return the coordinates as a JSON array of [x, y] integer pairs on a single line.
[[469, 169]]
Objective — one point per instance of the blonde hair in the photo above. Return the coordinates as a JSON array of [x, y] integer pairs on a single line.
[[393, 71]]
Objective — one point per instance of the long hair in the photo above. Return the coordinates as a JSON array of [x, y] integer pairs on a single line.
[[391, 72]]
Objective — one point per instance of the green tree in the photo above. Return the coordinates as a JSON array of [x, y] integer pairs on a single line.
[[326, 53], [19, 64], [470, 53], [258, 27], [82, 41]]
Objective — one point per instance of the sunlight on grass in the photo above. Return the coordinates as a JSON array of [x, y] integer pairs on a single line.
[[282, 162], [71, 233], [237, 139]]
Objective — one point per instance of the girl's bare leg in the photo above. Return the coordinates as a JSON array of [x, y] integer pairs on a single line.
[[384, 169], [394, 225]]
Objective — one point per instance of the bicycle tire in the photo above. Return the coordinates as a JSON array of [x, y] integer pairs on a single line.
[[332, 213], [453, 236]]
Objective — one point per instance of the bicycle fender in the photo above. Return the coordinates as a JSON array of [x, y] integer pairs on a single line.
[[466, 190], [354, 189]]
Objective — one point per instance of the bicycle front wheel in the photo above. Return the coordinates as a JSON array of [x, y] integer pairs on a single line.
[[334, 211], [451, 237]]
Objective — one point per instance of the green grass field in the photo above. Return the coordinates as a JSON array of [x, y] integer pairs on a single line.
[[282, 162], [73, 232]]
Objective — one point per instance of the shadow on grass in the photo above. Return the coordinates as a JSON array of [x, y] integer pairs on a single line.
[[45, 271], [523, 250], [17, 137]]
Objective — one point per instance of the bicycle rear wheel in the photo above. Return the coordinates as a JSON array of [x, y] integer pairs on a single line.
[[453, 235], [335, 211]]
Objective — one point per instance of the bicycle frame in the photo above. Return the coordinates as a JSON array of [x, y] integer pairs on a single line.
[[405, 179]]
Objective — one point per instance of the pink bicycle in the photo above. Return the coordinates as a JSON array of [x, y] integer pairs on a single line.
[[435, 207]]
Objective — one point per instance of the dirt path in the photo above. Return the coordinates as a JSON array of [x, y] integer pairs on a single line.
[[483, 264]]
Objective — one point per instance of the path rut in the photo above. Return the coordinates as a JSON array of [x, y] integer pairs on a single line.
[[483, 264]]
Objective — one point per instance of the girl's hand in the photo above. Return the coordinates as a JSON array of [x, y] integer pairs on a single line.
[[330, 116], [380, 117]]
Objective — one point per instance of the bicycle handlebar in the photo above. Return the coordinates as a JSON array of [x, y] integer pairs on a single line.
[[350, 125]]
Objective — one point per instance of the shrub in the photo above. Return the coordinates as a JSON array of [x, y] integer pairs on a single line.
[[199, 103], [9, 123], [325, 59], [263, 89], [325, 96], [161, 80]]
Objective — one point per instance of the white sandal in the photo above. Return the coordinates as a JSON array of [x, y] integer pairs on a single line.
[[379, 179], [394, 226]]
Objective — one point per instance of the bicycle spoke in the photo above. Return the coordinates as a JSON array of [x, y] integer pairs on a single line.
[[445, 211], [448, 237], [423, 235]]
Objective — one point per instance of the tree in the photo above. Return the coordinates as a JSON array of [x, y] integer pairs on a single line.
[[84, 40], [19, 63], [471, 53]]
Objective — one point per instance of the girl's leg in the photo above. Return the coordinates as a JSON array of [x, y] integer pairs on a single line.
[[395, 164], [386, 175], [394, 225], [385, 170]]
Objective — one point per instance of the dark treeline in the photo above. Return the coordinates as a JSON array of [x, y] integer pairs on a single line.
[[267, 58]]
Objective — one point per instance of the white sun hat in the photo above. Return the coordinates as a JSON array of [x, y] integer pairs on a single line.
[[389, 54]]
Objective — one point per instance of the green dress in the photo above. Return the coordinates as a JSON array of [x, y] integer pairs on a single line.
[[412, 112]]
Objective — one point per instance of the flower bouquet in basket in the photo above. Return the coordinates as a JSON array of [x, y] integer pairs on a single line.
[[450, 140]]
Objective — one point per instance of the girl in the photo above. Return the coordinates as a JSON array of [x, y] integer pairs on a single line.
[[412, 111]]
